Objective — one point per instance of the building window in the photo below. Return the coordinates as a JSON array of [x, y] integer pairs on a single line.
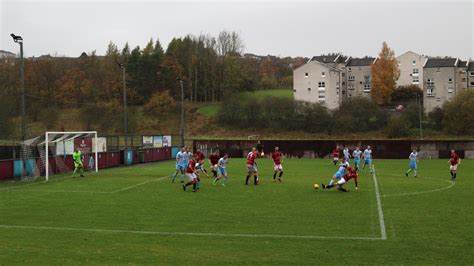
[[430, 82], [349, 96], [350, 69], [306, 75], [471, 73], [344, 74], [438, 70], [463, 79], [322, 84], [472, 83], [366, 87], [430, 92], [416, 71], [323, 74], [367, 78], [450, 80], [450, 90], [416, 80], [414, 62], [352, 78], [321, 95], [294, 90], [309, 89], [438, 99], [343, 83]]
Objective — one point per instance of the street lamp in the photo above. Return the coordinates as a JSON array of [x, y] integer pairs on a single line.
[[125, 124], [181, 126], [19, 40], [418, 99]]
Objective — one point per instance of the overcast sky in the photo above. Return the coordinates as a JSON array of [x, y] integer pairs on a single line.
[[284, 28]]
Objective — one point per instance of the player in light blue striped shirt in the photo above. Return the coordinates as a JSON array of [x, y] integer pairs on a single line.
[[413, 162]]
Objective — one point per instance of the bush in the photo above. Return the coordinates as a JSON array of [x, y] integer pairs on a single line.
[[359, 115], [412, 115], [459, 114], [405, 93], [310, 117], [160, 103], [435, 118], [397, 127]]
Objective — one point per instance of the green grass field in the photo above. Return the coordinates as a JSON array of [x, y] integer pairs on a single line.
[[135, 215]]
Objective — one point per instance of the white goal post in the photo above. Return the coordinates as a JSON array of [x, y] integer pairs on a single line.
[[52, 137]]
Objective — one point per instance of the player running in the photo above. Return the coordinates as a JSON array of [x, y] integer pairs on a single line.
[[213, 160], [200, 161], [367, 156], [252, 167], [335, 155], [356, 154], [181, 165], [338, 175], [78, 165], [192, 177], [346, 153], [351, 174], [277, 167], [454, 161], [222, 170], [413, 162]]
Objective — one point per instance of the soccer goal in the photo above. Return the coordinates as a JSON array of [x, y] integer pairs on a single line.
[[53, 153]]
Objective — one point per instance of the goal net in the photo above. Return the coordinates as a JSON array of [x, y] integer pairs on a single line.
[[52, 153]]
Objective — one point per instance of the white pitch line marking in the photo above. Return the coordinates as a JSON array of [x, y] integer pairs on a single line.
[[422, 192], [383, 232], [139, 184], [120, 231]]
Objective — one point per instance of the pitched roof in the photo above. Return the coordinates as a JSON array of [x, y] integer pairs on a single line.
[[365, 61], [440, 62], [462, 63], [471, 66], [325, 58]]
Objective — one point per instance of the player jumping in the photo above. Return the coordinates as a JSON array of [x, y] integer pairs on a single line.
[[221, 170], [356, 154], [454, 161], [413, 161], [252, 167], [277, 167], [78, 165]]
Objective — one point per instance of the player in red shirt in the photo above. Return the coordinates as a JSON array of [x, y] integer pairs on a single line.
[[252, 166], [213, 160], [192, 177], [277, 167], [200, 161], [335, 155], [454, 161], [351, 174]]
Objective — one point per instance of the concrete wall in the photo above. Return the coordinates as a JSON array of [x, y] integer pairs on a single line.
[[306, 81]]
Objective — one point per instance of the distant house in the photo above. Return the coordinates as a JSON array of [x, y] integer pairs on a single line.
[[470, 75], [318, 81], [411, 69], [6, 54], [442, 79], [358, 75]]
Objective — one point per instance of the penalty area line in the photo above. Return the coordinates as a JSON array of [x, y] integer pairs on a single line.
[[165, 233], [383, 232], [139, 184]]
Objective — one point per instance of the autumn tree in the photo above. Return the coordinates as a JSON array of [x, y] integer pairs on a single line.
[[385, 74]]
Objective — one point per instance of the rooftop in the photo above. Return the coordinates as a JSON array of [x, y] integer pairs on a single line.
[[365, 61]]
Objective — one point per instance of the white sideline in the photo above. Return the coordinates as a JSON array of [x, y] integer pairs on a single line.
[[120, 231], [383, 232]]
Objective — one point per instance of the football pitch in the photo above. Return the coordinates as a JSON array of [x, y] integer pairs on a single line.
[[135, 215]]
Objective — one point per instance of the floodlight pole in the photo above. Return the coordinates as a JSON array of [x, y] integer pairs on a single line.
[[19, 40], [181, 126], [125, 124]]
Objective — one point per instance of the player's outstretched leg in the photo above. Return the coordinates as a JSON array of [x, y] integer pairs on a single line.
[[274, 176], [280, 175]]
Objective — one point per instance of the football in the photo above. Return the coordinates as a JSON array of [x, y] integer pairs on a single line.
[[316, 186]]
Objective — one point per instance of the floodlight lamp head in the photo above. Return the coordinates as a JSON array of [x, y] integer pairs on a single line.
[[16, 38]]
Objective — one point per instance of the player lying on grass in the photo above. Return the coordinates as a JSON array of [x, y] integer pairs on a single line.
[[413, 160], [351, 174], [221, 170], [200, 161], [277, 167], [356, 154], [454, 161], [192, 177], [78, 165], [339, 174], [252, 167], [213, 160]]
